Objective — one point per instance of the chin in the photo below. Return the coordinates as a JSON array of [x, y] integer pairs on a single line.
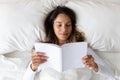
[[63, 39]]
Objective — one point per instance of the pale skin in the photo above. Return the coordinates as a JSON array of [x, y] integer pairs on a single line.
[[62, 29]]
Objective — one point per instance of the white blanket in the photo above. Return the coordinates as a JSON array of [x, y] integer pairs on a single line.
[[12, 68]]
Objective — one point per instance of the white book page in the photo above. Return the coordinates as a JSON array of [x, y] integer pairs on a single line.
[[72, 55], [53, 52]]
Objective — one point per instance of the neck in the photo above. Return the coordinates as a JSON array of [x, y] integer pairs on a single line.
[[62, 42]]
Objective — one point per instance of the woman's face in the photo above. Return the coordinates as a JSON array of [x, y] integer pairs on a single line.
[[62, 27]]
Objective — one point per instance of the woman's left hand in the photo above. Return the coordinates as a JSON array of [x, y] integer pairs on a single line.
[[89, 62]]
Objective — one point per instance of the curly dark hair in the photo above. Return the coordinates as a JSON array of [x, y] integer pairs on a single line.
[[76, 36]]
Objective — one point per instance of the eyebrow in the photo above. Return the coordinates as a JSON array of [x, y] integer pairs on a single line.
[[61, 22], [57, 22]]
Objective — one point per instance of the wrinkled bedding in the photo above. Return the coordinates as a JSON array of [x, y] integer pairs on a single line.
[[21, 24], [13, 68]]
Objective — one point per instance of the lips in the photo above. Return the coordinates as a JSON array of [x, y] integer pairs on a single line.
[[64, 35]]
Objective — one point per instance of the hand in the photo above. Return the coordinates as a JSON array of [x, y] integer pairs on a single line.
[[37, 59], [88, 60]]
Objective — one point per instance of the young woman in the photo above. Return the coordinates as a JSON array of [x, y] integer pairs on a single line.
[[60, 28]]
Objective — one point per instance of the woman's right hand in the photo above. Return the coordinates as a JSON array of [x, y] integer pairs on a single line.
[[37, 59]]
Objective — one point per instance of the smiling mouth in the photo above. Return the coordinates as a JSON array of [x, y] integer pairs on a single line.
[[64, 34]]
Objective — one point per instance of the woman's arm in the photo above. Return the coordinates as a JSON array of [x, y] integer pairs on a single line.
[[35, 66], [29, 74], [103, 68]]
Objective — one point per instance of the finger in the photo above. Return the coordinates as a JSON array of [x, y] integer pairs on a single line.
[[84, 61], [44, 57], [39, 58], [84, 57], [89, 56], [37, 62], [38, 53], [35, 57], [88, 65]]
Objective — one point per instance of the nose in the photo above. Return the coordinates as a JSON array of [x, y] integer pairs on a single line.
[[64, 28]]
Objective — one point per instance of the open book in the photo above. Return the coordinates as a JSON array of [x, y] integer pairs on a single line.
[[67, 56]]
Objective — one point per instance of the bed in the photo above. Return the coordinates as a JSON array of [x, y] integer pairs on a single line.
[[21, 24]]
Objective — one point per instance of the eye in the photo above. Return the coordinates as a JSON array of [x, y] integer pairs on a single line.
[[68, 25], [59, 25]]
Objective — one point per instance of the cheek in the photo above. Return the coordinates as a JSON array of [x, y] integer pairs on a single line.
[[70, 30], [56, 30]]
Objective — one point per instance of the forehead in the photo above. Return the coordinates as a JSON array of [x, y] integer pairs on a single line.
[[62, 17]]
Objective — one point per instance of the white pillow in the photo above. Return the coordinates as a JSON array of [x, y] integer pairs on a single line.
[[21, 23], [113, 1], [100, 21]]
